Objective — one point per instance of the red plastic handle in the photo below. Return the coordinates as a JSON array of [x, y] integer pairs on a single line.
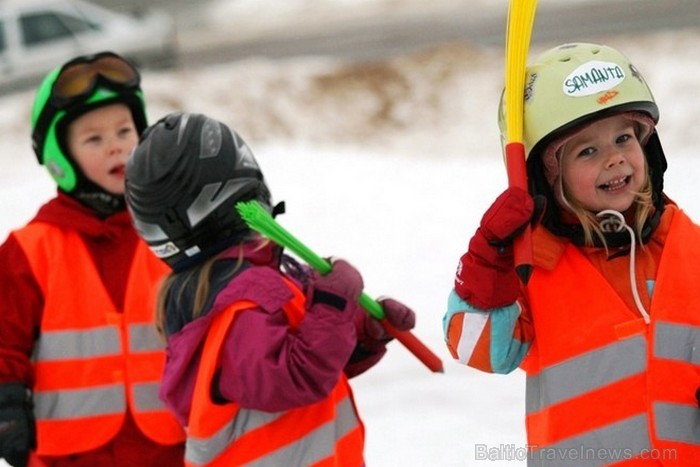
[[416, 347], [517, 177]]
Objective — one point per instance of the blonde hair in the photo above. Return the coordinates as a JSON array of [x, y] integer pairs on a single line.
[[644, 127], [591, 225], [200, 275]]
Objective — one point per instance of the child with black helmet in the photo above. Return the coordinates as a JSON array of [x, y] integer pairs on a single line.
[[260, 348], [80, 361], [605, 327]]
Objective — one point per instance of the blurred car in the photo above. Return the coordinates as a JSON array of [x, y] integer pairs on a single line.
[[38, 35]]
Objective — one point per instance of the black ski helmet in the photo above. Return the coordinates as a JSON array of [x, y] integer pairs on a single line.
[[182, 185]]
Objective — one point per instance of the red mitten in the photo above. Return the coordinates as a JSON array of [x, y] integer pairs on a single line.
[[486, 276]]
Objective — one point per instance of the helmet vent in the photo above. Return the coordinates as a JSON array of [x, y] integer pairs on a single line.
[[211, 197], [211, 139]]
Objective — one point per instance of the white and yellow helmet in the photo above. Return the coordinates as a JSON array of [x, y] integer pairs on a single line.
[[573, 83]]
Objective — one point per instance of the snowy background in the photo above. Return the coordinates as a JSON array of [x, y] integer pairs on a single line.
[[389, 164]]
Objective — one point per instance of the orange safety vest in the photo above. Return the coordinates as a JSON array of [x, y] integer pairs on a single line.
[[324, 434], [603, 386], [91, 362]]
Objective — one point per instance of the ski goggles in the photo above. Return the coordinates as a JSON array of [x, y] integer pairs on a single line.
[[77, 79]]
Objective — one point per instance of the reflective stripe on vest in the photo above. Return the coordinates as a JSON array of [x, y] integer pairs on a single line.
[[610, 444], [89, 343], [314, 447], [92, 362], [598, 377], [677, 342], [79, 403], [328, 432], [680, 344], [586, 373], [97, 342]]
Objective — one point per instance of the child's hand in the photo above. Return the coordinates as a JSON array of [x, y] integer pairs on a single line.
[[507, 217], [372, 337], [371, 333], [340, 287], [17, 432], [486, 275]]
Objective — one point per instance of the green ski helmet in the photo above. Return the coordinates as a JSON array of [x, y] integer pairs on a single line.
[[83, 84], [573, 84]]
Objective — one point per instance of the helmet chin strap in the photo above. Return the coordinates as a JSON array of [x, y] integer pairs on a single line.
[[103, 203], [95, 197], [614, 221]]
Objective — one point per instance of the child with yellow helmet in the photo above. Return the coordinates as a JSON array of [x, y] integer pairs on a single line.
[[605, 326]]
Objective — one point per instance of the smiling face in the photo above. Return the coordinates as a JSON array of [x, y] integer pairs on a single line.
[[603, 166], [100, 141]]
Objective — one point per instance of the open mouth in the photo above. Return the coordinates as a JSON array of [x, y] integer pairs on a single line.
[[616, 184], [118, 170]]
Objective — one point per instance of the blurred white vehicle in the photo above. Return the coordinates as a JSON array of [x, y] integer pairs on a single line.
[[38, 35]]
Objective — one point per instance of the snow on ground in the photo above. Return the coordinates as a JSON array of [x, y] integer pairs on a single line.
[[390, 165]]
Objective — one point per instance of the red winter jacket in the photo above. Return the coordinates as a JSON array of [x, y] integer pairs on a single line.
[[111, 243]]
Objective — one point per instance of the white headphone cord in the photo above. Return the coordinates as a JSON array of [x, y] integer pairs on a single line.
[[614, 221]]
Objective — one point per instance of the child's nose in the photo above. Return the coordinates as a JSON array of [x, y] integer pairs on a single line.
[[117, 146], [614, 159]]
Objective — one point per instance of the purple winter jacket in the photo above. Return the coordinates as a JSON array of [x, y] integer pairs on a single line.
[[263, 365]]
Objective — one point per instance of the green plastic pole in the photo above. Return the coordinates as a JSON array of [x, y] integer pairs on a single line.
[[261, 221]]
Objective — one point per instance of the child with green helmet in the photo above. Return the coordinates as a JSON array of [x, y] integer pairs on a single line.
[[67, 93], [80, 360], [605, 326]]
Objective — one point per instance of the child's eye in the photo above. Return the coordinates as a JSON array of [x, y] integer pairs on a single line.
[[589, 151], [624, 138]]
